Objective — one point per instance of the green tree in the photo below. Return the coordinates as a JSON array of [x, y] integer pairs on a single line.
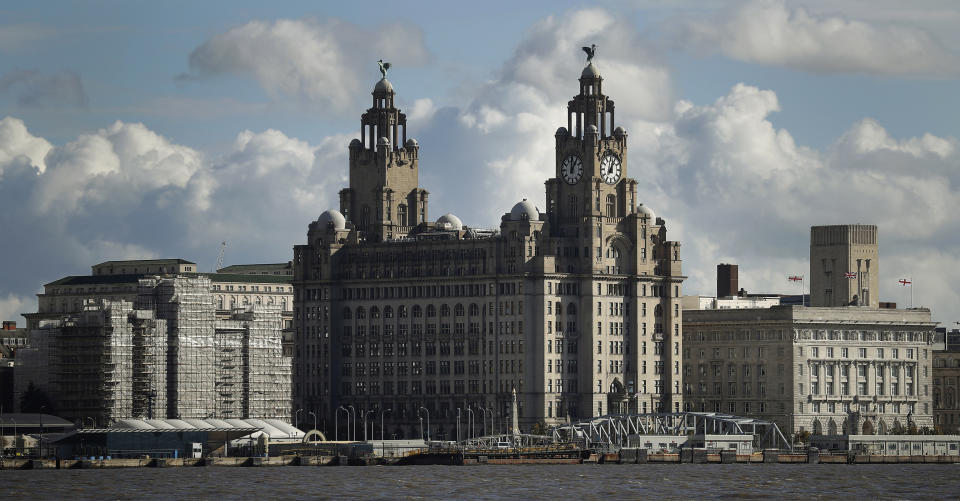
[[36, 400]]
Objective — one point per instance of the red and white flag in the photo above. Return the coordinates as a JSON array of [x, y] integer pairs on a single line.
[[905, 282], [850, 275], [795, 278]]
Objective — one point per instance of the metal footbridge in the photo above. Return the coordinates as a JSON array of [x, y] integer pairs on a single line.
[[615, 431]]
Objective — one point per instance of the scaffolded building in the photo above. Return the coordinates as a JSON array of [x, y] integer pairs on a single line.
[[172, 355]]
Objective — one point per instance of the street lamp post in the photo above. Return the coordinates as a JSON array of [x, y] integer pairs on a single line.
[[336, 423], [310, 413], [296, 418], [428, 421], [365, 413], [92, 421], [484, 413], [383, 443], [470, 429], [458, 425], [353, 411], [421, 427]]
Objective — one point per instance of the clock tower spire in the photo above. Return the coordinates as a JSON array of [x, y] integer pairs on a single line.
[[591, 157]]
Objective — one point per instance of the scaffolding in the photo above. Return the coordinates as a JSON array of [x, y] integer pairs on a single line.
[[168, 357]]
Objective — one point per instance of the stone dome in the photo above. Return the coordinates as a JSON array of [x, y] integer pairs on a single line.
[[619, 132], [356, 143], [562, 131], [590, 71], [591, 129], [383, 85], [449, 222], [524, 210], [412, 143], [643, 210], [383, 142], [333, 217]]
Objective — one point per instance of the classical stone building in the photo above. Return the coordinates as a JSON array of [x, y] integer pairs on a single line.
[[577, 306], [946, 384], [823, 370]]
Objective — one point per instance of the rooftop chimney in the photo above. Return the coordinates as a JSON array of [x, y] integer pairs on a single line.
[[727, 280]]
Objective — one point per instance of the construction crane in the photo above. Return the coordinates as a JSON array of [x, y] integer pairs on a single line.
[[223, 247]]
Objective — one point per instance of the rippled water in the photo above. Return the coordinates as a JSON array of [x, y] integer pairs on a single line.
[[558, 482]]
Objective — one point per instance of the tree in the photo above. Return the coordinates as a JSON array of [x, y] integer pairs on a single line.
[[539, 428], [35, 400]]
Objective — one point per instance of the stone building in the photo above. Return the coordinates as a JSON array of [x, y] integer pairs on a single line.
[[823, 370], [844, 265], [576, 307], [946, 384], [169, 354]]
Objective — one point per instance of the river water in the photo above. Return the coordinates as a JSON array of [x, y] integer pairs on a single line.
[[559, 482]]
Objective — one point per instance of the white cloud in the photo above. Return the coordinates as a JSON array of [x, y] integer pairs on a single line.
[[18, 145], [125, 192], [769, 32], [315, 61], [12, 305], [734, 188], [501, 143]]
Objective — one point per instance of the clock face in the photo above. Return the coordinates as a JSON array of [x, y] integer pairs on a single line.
[[571, 169], [610, 168]]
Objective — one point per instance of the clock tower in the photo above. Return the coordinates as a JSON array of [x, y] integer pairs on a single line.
[[591, 162]]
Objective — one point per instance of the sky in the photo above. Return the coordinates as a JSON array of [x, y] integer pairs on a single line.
[[161, 129]]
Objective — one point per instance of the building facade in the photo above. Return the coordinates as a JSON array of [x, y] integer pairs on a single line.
[[232, 287], [827, 371], [167, 355], [844, 265], [946, 384], [576, 307]]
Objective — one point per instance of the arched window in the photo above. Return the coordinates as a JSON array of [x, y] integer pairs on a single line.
[[444, 311], [361, 313], [387, 312], [374, 312], [474, 309], [417, 311], [458, 310], [347, 314], [219, 302], [817, 427], [611, 205], [402, 311], [402, 215], [832, 427], [431, 311]]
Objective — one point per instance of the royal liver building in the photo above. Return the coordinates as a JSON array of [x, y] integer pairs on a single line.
[[575, 309]]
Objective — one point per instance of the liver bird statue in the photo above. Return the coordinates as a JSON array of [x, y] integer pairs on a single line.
[[383, 67], [591, 51]]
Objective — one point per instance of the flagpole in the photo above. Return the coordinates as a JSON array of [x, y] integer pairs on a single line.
[[911, 293]]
